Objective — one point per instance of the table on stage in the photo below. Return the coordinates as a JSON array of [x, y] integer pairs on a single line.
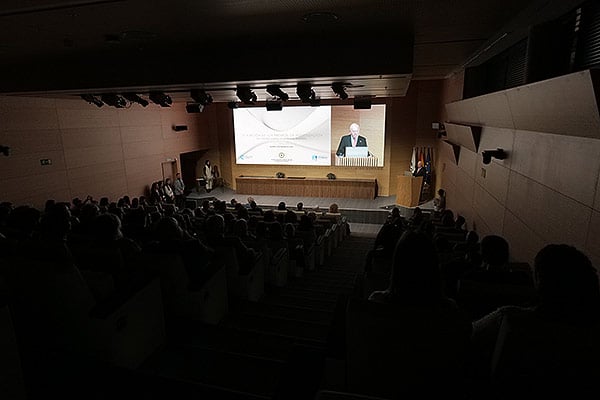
[[307, 187]]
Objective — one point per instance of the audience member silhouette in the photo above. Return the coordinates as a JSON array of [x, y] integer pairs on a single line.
[[170, 239], [215, 238], [425, 319], [557, 338]]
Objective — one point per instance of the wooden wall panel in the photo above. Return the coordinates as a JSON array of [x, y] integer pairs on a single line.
[[555, 217], [142, 149], [464, 135], [429, 105], [549, 185], [99, 180], [565, 105], [493, 110], [173, 146], [463, 112], [494, 178], [447, 151], [35, 189], [85, 156], [19, 113], [133, 134], [76, 138], [481, 227], [489, 209], [465, 184], [141, 172], [568, 165], [450, 171], [31, 141], [468, 161], [29, 164], [87, 118], [524, 243]]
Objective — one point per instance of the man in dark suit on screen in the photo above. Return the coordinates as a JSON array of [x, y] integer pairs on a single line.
[[352, 139]]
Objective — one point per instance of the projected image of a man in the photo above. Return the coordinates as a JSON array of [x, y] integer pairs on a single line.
[[352, 139]]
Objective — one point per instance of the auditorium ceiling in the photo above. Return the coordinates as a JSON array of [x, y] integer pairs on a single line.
[[374, 48]]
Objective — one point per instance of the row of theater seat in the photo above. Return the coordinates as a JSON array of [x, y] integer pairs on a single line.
[[77, 311]]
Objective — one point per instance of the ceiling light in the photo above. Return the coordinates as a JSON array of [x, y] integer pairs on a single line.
[[194, 107], [305, 92], [201, 97], [246, 95], [134, 98], [114, 100], [162, 99], [275, 90], [90, 98], [339, 89]]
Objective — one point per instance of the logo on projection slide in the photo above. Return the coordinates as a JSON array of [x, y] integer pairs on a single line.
[[314, 157], [282, 155]]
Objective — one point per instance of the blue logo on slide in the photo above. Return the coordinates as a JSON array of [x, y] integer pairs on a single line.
[[314, 157]]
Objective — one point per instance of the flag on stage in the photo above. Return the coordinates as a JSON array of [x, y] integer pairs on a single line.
[[413, 160], [428, 166]]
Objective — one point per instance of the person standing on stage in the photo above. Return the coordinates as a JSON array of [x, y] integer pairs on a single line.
[[352, 139], [179, 191], [207, 172], [421, 170]]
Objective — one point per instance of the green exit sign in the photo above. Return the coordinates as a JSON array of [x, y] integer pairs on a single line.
[[46, 161]]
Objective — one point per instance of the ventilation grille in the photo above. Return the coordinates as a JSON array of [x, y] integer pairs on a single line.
[[588, 44]]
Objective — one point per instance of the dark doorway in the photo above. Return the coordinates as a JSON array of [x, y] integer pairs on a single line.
[[189, 161]]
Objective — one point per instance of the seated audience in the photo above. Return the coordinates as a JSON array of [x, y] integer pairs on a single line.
[[215, 237], [557, 346]]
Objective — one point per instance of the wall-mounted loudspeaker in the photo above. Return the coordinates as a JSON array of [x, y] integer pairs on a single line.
[[179, 128]]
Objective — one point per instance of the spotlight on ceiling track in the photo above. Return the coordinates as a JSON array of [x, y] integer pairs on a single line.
[[134, 98], [194, 107], [114, 100], [232, 104], [90, 98], [339, 88], [275, 90], [274, 105], [305, 92], [246, 95], [160, 98], [200, 96]]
